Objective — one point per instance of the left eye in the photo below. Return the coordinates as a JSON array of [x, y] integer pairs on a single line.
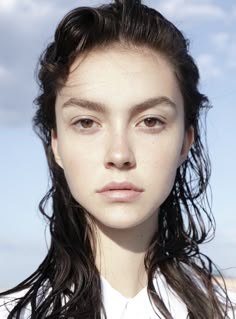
[[152, 122]]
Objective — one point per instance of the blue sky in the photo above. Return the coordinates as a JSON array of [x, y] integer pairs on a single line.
[[26, 26]]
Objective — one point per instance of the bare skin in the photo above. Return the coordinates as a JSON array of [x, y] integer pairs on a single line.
[[102, 137], [121, 255]]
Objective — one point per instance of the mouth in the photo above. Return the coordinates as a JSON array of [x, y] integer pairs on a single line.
[[123, 186], [120, 192]]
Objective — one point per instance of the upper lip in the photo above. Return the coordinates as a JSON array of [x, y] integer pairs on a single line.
[[120, 186]]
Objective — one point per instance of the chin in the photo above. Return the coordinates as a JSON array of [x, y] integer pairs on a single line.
[[123, 221]]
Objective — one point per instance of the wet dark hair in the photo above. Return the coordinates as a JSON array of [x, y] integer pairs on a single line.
[[67, 283]]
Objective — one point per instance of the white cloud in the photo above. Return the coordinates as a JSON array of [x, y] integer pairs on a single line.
[[227, 234], [5, 75], [225, 43], [29, 12], [7, 5], [208, 66], [29, 25], [220, 39], [231, 63], [42, 7], [234, 11], [191, 9], [13, 117], [14, 6]]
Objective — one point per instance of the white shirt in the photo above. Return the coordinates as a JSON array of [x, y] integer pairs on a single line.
[[119, 307]]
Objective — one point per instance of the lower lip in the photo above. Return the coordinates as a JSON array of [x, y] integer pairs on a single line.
[[121, 195]]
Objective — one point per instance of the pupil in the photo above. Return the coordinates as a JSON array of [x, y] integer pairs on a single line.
[[150, 122], [87, 123]]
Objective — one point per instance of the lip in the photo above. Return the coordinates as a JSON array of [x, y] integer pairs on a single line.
[[121, 192], [120, 186]]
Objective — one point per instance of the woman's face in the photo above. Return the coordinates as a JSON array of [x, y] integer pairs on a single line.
[[120, 121]]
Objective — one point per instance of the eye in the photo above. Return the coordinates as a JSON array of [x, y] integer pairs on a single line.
[[152, 122], [85, 123]]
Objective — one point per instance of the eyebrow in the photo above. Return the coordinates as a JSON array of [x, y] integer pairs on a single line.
[[101, 108]]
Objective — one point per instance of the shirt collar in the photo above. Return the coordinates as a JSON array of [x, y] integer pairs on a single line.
[[118, 306]]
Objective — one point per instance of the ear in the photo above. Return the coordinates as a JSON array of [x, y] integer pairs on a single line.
[[54, 146], [187, 144]]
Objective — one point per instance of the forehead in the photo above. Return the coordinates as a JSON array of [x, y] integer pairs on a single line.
[[121, 75]]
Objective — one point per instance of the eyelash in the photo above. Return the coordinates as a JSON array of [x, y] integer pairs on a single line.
[[156, 119], [83, 120]]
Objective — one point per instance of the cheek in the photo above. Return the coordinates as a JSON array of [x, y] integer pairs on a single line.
[[76, 156], [162, 153], [161, 164], [163, 174], [81, 163]]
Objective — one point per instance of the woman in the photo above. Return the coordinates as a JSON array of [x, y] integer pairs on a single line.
[[119, 118]]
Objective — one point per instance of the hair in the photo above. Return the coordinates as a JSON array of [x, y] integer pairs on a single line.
[[67, 282]]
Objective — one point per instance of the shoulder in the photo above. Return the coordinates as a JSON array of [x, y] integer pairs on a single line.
[[172, 301], [175, 304], [8, 302], [232, 297]]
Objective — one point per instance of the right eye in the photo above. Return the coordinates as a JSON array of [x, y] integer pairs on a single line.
[[84, 123]]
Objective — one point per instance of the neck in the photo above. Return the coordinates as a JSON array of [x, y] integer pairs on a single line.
[[120, 255]]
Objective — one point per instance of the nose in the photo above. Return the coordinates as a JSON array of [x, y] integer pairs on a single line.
[[119, 153]]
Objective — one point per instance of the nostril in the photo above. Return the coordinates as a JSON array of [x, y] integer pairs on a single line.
[[127, 163]]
